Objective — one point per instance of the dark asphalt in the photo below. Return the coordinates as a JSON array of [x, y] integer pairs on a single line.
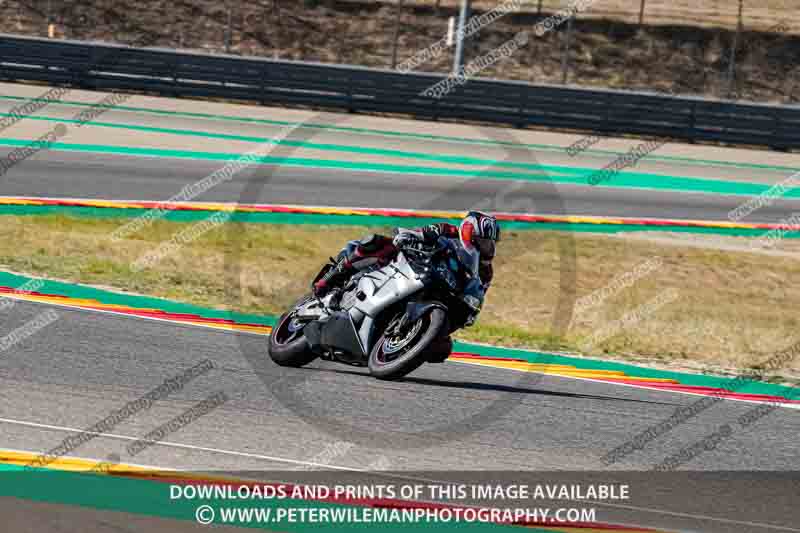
[[63, 174], [80, 368]]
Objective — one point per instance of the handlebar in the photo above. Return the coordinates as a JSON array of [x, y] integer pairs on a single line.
[[428, 251]]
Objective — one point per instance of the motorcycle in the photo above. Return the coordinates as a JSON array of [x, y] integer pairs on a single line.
[[390, 318]]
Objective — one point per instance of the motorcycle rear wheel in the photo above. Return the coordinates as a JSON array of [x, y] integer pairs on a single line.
[[287, 344], [393, 358]]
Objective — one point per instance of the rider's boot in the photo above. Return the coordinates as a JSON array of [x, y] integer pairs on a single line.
[[368, 251], [333, 277]]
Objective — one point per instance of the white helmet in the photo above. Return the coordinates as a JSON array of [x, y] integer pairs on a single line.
[[479, 231]]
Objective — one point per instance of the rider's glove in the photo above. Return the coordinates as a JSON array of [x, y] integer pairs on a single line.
[[431, 232], [405, 237]]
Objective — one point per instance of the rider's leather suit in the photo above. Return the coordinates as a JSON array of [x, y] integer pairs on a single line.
[[380, 249]]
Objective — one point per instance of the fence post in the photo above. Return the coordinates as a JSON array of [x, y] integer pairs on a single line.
[[731, 66], [463, 16], [50, 20], [565, 55], [791, 81], [397, 32], [228, 31], [276, 16], [641, 13]]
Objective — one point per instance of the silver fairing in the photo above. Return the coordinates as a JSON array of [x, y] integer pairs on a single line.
[[382, 288], [313, 308]]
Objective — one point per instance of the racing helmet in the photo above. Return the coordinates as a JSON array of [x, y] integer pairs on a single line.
[[479, 231]]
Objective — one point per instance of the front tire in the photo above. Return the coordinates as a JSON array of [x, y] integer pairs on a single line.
[[287, 344], [391, 358]]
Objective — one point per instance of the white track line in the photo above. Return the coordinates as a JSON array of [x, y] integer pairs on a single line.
[[169, 444], [378, 473], [81, 458], [220, 451]]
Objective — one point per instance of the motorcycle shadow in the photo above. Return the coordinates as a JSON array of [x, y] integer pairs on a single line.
[[493, 387]]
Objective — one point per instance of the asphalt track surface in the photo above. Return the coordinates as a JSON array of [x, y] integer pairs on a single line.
[[67, 175], [85, 365], [77, 370], [92, 175]]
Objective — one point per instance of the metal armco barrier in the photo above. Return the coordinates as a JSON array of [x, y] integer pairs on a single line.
[[172, 73]]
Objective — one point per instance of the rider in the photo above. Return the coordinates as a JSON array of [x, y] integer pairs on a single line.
[[477, 234]]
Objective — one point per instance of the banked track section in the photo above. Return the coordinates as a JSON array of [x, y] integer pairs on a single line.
[[94, 349], [91, 299], [151, 148]]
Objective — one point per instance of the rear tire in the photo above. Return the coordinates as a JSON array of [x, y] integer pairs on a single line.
[[287, 347], [383, 365]]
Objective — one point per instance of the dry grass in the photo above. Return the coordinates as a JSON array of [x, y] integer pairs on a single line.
[[732, 310]]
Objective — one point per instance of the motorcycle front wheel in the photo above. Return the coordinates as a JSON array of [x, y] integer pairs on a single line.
[[397, 355]]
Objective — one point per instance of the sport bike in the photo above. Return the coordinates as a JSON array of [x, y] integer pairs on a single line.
[[390, 318]]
